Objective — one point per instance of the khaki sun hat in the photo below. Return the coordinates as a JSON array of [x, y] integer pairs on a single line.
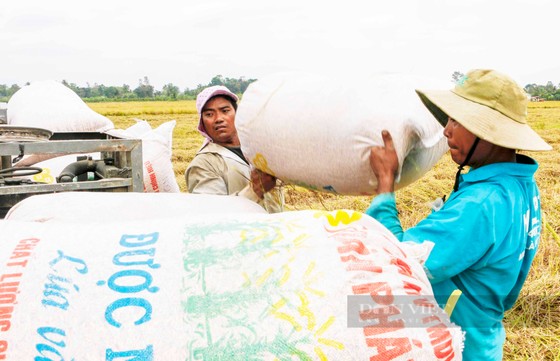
[[488, 104]]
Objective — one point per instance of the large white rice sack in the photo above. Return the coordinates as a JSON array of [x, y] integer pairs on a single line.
[[51, 105], [79, 207], [297, 285], [317, 132], [157, 146]]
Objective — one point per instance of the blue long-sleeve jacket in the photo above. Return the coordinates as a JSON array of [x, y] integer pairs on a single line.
[[486, 235]]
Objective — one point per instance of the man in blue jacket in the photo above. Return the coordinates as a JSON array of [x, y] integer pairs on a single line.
[[486, 234]]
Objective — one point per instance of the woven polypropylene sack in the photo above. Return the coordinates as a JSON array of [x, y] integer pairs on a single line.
[[317, 132], [82, 207], [296, 285], [157, 146], [51, 105]]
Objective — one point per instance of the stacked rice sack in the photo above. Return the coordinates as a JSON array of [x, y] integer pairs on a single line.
[[157, 145], [317, 132], [242, 286], [51, 105]]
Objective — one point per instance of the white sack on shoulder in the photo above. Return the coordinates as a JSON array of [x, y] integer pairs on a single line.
[[317, 132], [51, 105], [159, 175]]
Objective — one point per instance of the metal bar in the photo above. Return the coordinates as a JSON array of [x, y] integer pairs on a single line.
[[102, 184], [135, 157], [6, 162], [69, 146], [78, 135]]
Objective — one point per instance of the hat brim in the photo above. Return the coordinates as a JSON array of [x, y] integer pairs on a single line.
[[484, 122]]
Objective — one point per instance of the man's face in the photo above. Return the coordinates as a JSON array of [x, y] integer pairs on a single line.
[[218, 117], [460, 141]]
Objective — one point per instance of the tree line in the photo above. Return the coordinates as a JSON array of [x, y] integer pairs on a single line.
[[146, 91], [544, 92]]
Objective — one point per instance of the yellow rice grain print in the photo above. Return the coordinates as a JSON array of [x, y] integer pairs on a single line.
[[335, 218], [260, 162]]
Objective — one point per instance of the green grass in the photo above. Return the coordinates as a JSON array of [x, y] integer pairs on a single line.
[[532, 325]]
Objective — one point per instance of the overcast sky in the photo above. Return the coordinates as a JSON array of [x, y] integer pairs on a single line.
[[187, 42]]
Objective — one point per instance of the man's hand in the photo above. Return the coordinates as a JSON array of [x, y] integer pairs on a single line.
[[384, 164], [261, 182]]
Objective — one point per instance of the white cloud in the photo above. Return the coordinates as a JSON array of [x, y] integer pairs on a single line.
[[188, 42]]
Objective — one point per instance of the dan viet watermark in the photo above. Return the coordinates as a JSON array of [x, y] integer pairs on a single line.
[[392, 311]]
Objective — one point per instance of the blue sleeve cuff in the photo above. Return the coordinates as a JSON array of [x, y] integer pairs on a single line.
[[383, 199], [384, 209]]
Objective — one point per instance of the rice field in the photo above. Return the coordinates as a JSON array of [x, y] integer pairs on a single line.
[[532, 325]]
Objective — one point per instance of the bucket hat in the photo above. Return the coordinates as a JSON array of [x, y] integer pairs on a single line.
[[201, 100], [490, 105]]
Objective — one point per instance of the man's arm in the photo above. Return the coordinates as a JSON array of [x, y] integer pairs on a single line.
[[206, 176]]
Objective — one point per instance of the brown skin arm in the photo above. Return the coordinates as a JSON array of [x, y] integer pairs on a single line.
[[261, 182], [384, 164]]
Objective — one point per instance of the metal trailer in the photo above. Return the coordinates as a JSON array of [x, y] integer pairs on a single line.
[[124, 172]]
